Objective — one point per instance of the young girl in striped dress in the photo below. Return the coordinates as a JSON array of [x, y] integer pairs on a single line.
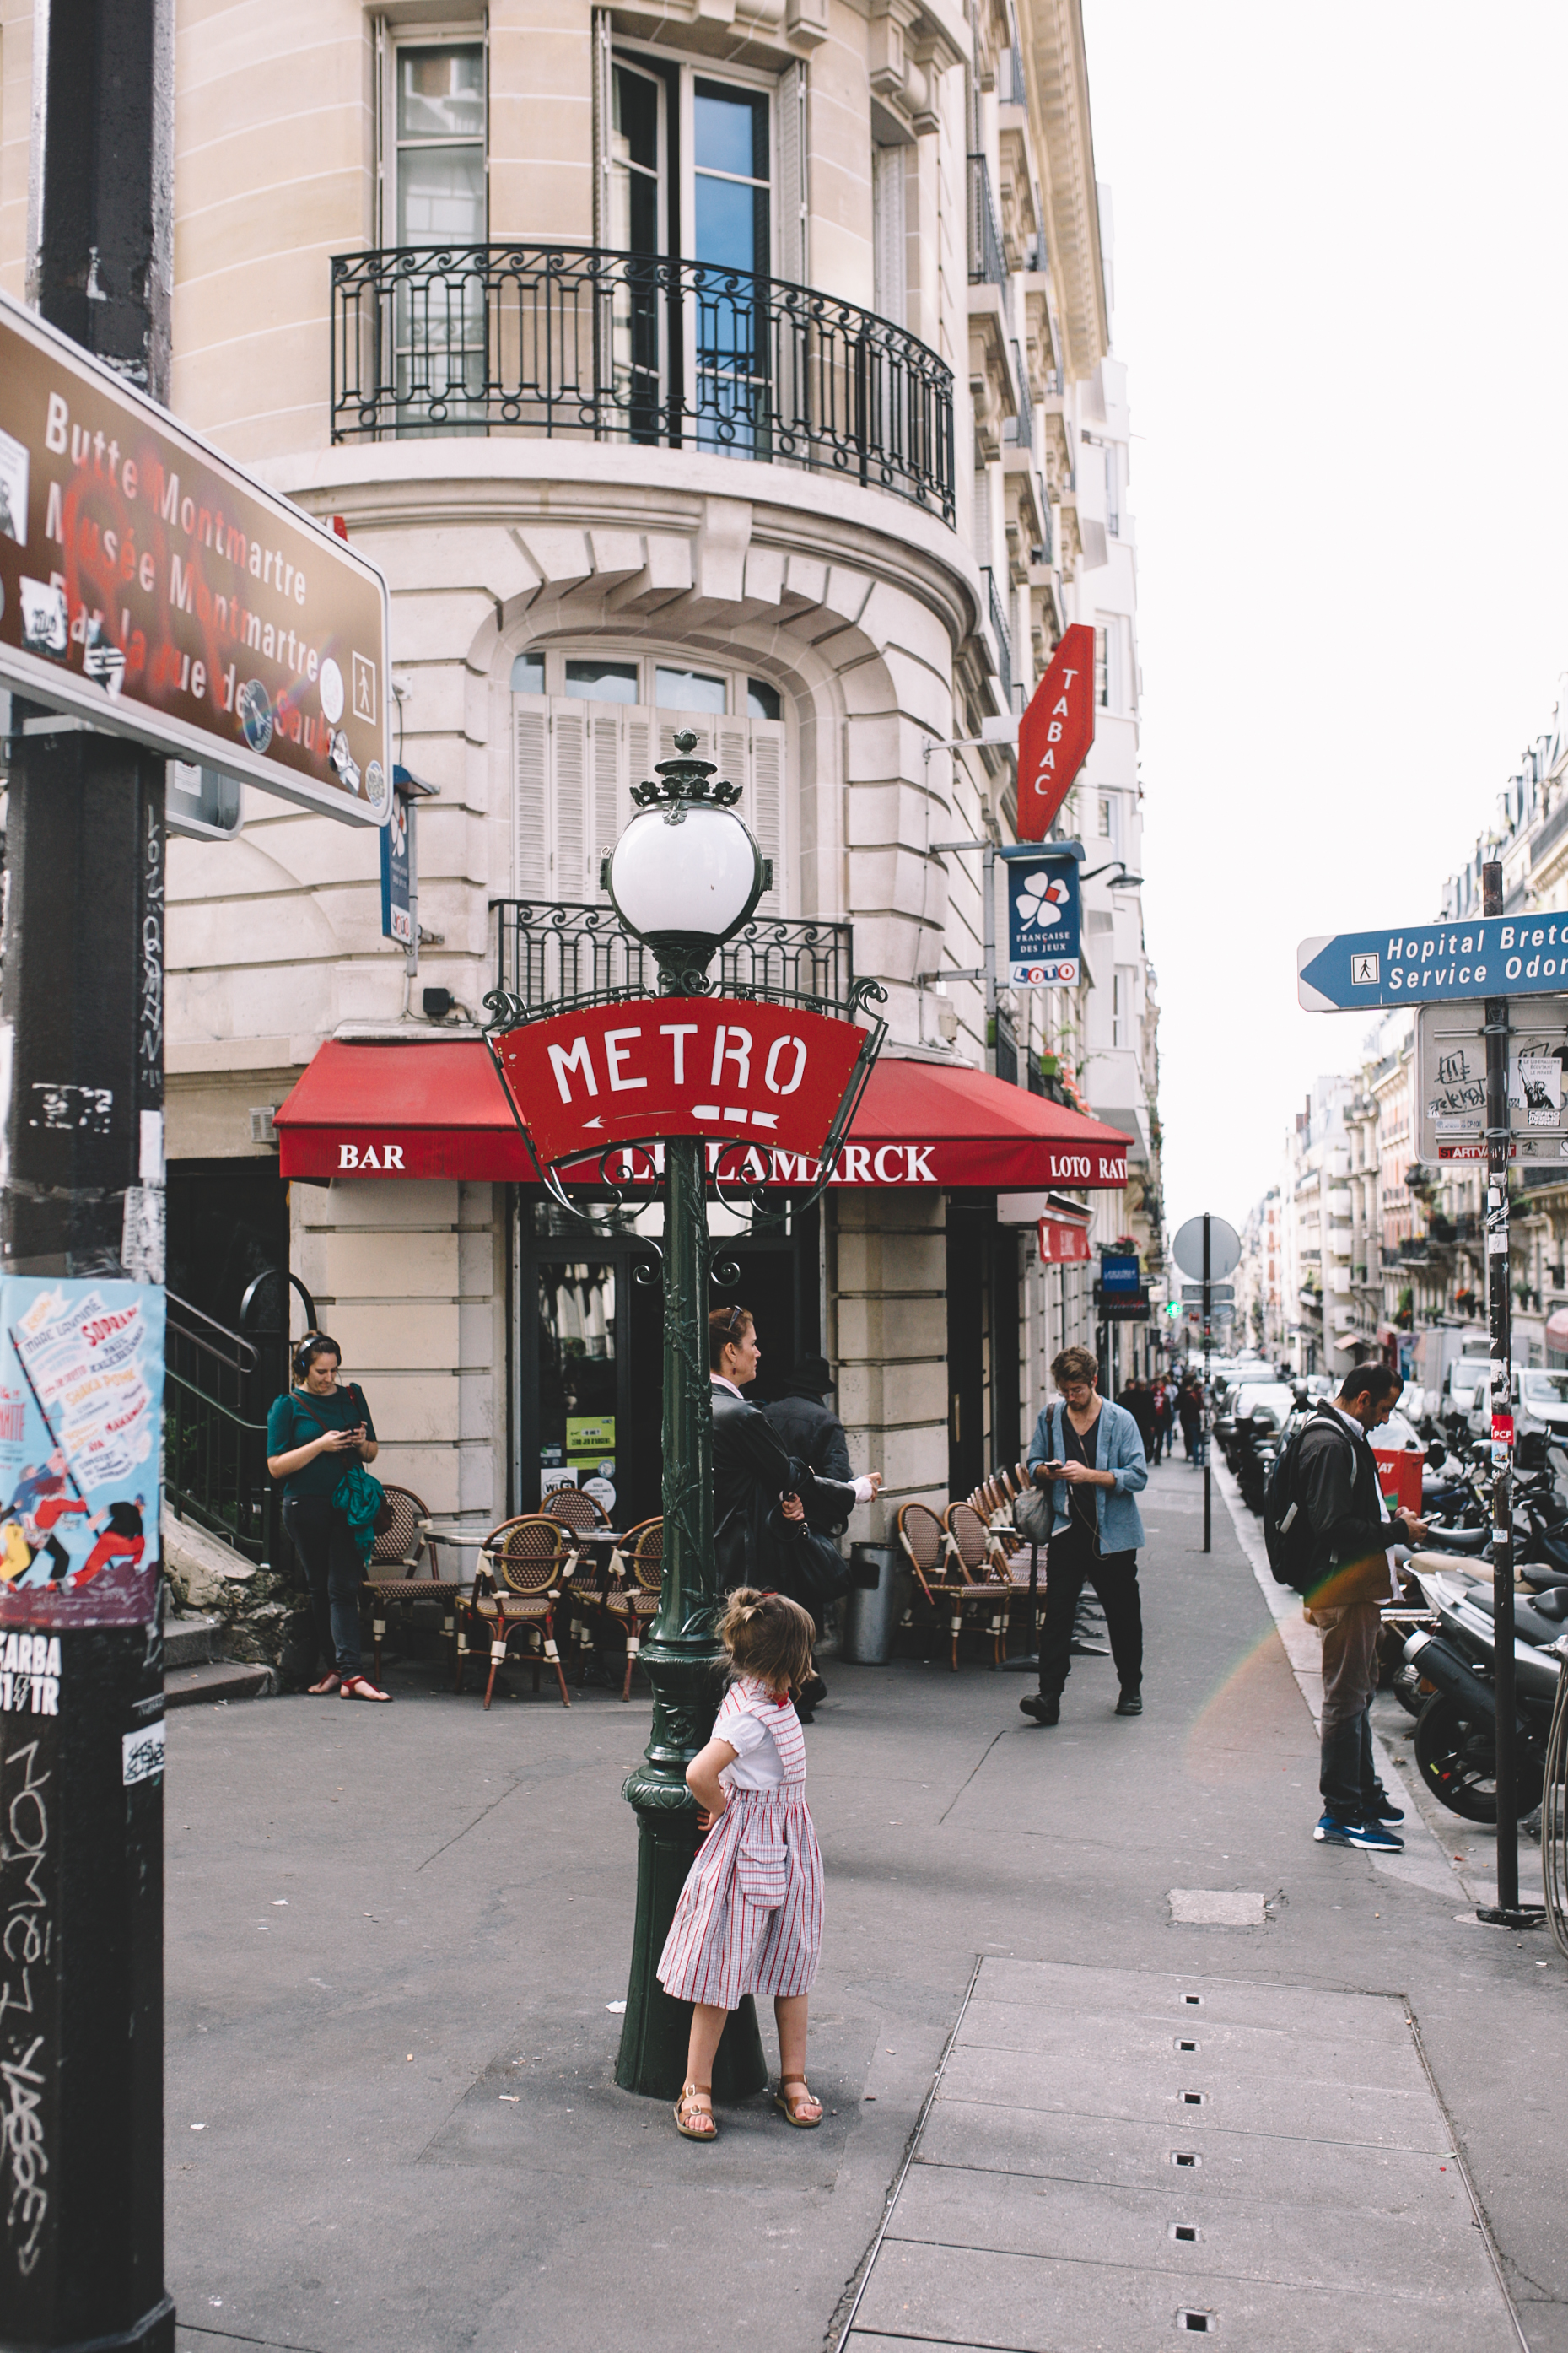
[[750, 1916]]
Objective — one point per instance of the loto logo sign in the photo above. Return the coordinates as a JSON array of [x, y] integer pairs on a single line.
[[678, 1066], [1054, 733]]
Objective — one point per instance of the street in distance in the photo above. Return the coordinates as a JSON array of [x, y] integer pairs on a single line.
[[1340, 972]]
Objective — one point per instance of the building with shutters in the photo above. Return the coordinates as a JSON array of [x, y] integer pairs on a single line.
[[738, 365]]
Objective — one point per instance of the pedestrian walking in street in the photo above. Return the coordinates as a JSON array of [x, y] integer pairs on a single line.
[[1164, 1416], [762, 1490], [315, 1433], [1348, 1577], [1138, 1399], [809, 1428], [1189, 1412], [1089, 1453], [750, 1916]]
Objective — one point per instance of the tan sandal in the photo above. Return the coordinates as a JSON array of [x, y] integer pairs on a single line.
[[687, 2106], [790, 2109]]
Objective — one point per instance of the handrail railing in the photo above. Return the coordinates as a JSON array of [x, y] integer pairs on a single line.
[[987, 260], [1020, 429], [553, 954], [639, 348], [219, 1385]]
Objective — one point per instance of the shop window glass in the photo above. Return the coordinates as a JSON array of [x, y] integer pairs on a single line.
[[687, 690], [577, 1374], [602, 681]]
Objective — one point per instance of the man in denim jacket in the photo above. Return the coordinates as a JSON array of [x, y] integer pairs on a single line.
[[1090, 1454]]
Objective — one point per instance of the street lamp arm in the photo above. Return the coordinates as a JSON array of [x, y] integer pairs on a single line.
[[1117, 866]]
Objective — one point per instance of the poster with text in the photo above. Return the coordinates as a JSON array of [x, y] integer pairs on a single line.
[[81, 1400]]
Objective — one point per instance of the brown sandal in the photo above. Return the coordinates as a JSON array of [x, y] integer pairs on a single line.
[[789, 2110], [687, 2105]]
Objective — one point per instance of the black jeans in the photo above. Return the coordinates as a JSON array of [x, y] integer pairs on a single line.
[[322, 1536], [1114, 1577]]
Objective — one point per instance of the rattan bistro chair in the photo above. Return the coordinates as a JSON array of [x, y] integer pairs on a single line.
[[634, 1604], [516, 1590], [393, 1580], [976, 1552], [924, 1540], [583, 1577]]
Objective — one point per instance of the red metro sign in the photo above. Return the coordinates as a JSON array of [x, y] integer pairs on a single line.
[[1054, 733], [716, 1066]]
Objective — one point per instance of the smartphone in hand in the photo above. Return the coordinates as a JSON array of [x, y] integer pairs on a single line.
[[1053, 1470]]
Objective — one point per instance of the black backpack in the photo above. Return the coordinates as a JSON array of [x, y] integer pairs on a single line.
[[1286, 1530]]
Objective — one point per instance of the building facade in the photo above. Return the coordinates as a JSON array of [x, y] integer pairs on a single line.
[[742, 368]]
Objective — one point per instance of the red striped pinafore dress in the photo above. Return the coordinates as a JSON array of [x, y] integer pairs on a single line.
[[749, 1915]]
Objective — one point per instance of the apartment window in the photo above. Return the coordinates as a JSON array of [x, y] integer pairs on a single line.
[[586, 728], [1103, 668], [1123, 985], [638, 146], [888, 233], [1104, 817], [439, 160], [1112, 492]]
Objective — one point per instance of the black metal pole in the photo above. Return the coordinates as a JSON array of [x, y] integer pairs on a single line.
[[1500, 1306], [81, 2210], [1204, 1421], [1208, 1327]]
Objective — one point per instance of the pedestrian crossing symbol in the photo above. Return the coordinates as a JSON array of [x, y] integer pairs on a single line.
[[1364, 971]]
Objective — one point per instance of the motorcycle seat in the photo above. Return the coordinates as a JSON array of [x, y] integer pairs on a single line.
[[1458, 1539]]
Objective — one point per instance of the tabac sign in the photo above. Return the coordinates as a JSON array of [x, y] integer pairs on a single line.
[[718, 1067], [148, 585]]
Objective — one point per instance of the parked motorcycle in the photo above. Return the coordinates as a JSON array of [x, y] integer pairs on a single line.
[[1455, 1732]]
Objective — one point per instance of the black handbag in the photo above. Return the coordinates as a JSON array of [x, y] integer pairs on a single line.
[[818, 1567]]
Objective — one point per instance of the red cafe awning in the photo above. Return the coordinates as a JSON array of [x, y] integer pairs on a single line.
[[440, 1109]]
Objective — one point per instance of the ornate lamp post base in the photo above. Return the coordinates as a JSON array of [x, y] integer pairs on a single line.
[[653, 2039]]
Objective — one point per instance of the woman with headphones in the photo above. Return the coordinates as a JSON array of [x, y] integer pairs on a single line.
[[313, 1434]]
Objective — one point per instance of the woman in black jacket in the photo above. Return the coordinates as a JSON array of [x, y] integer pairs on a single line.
[[759, 1518]]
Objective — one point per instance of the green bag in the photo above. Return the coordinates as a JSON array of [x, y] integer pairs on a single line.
[[362, 1502]]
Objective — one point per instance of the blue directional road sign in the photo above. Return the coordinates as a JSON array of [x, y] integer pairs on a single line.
[[1429, 962]]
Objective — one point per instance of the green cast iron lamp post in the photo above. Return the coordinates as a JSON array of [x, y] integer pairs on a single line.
[[684, 876]]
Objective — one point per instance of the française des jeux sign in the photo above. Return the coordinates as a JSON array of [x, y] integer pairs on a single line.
[[718, 1067], [1490, 955], [149, 586], [1044, 948]]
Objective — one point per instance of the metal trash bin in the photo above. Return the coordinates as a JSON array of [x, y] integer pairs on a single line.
[[870, 1612]]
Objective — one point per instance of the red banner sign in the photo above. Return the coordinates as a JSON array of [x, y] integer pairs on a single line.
[[1054, 733], [678, 1066], [1062, 1244]]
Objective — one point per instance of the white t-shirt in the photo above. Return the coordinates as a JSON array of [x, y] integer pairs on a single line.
[[758, 1765]]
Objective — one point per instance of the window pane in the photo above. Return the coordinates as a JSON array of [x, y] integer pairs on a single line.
[[731, 224], [763, 700], [687, 690], [636, 135], [602, 681], [577, 1369], [730, 130], [441, 196], [441, 93], [528, 674]]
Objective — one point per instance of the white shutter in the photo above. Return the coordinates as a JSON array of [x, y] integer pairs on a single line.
[[569, 728], [790, 244], [640, 754], [603, 117], [531, 798], [765, 806], [610, 805]]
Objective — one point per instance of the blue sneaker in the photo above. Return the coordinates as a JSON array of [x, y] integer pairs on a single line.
[[1331, 1830], [1382, 1809]]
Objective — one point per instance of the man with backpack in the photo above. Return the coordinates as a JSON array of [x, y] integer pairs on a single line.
[[1327, 1529]]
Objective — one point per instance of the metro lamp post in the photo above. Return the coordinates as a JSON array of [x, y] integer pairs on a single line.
[[685, 875]]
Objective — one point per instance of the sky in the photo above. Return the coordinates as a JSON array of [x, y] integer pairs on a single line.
[[1339, 252]]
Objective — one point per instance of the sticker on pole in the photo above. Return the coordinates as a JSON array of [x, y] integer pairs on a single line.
[[81, 1399]]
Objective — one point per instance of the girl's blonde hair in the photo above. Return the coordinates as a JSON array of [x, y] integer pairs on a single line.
[[768, 1636]]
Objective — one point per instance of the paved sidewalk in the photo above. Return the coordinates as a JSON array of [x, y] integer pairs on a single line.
[[394, 1935]]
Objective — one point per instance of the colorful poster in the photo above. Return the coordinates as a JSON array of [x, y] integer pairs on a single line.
[[82, 1402]]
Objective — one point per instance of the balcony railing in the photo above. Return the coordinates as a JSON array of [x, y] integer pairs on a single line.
[[987, 262], [551, 954], [636, 348], [1020, 429], [1001, 633]]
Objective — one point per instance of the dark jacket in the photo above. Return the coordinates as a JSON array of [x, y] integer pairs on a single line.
[[813, 1433], [751, 1470], [1139, 1404], [1337, 1484]]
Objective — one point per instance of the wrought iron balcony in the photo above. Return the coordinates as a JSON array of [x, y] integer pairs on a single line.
[[636, 348], [1002, 634], [553, 954]]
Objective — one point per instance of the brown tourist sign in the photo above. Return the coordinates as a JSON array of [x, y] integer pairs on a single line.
[[153, 588]]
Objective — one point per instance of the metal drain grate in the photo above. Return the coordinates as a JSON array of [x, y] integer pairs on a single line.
[[1202, 2323], [1186, 2231]]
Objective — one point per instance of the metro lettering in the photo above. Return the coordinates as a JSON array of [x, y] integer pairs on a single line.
[[681, 1031], [738, 1052], [615, 1056], [770, 1074], [579, 1059]]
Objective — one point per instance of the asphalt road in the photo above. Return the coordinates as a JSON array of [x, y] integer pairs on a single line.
[[392, 2122]]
